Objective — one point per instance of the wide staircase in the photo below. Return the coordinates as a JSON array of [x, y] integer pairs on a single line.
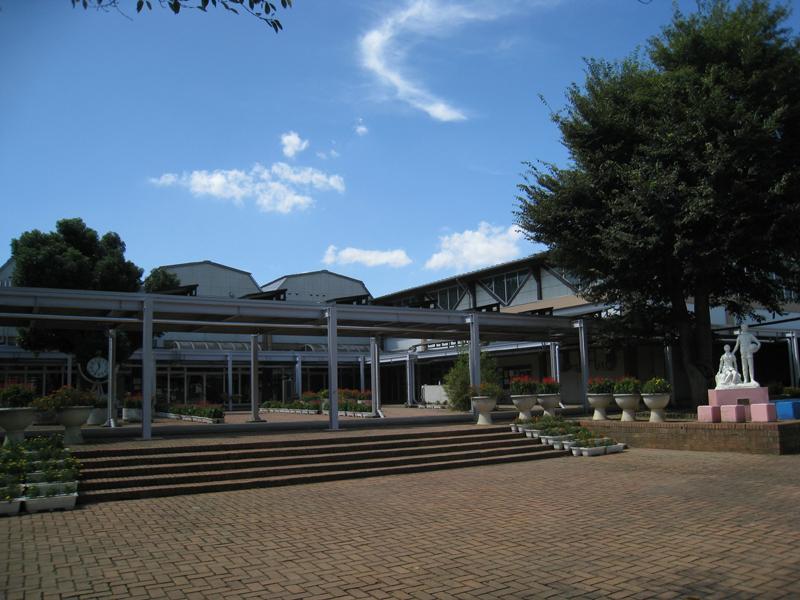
[[148, 472]]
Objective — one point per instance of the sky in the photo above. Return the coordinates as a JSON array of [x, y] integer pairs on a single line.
[[384, 140]]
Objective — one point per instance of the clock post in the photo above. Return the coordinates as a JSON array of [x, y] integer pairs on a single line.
[[112, 338]]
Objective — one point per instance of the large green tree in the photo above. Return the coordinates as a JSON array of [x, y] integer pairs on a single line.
[[683, 190], [73, 256]]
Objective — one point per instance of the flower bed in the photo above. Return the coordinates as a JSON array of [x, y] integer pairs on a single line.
[[197, 413]]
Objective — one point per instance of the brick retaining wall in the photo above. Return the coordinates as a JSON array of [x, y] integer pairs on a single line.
[[756, 438]]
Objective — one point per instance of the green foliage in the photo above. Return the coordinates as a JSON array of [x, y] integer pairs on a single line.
[[263, 10], [627, 385], [679, 164], [601, 385], [492, 390], [74, 257], [64, 397], [524, 385], [656, 385], [549, 385], [457, 384], [160, 280], [16, 395], [209, 411]]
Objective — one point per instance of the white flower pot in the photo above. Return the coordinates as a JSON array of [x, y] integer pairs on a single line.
[[97, 416], [576, 450], [65, 502], [11, 507], [614, 448], [599, 402], [656, 403], [524, 403], [14, 421], [628, 403], [484, 406], [549, 402], [72, 417], [132, 415], [596, 451]]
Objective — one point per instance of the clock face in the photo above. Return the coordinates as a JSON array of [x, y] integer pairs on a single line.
[[97, 367]]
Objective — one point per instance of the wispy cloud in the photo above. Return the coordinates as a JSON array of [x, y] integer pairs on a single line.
[[279, 188], [292, 144], [360, 128], [472, 249], [368, 258]]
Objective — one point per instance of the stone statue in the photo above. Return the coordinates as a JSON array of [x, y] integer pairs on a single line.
[[747, 344], [728, 374]]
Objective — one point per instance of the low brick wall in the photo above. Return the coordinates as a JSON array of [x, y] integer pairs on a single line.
[[782, 437]]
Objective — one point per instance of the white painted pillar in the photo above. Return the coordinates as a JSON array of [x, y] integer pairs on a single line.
[[555, 363], [583, 346], [229, 381], [254, 416], [796, 357], [298, 376], [375, 372], [148, 371], [333, 368], [411, 384], [474, 350], [69, 370], [361, 373], [111, 407]]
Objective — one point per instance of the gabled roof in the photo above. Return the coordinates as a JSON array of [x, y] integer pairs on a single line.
[[212, 263], [276, 283], [539, 258]]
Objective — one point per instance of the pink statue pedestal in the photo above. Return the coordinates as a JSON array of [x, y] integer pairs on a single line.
[[763, 413], [708, 414], [732, 413], [739, 396]]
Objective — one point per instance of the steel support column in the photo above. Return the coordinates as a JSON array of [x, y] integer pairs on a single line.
[[555, 362], [254, 416], [69, 370], [411, 384], [230, 381], [298, 376], [375, 372], [796, 355], [333, 369], [361, 373], [111, 405], [669, 367], [148, 374], [583, 346], [794, 367], [474, 350]]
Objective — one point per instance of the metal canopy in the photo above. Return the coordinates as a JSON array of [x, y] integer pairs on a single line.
[[55, 308]]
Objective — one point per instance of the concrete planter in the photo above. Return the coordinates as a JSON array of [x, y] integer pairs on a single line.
[[14, 421], [524, 403], [484, 406], [596, 451], [629, 403], [132, 415], [97, 416], [549, 402], [11, 507], [65, 502], [599, 402], [656, 403], [72, 417]]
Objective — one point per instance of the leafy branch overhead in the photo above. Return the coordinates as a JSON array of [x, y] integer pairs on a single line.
[[261, 9]]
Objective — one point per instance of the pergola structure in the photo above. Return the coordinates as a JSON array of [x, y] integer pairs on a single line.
[[151, 314]]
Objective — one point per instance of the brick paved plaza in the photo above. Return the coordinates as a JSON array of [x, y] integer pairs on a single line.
[[644, 524]]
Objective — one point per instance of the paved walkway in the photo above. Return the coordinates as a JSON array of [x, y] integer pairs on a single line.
[[643, 524]]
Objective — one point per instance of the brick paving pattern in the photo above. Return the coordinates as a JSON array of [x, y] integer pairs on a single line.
[[643, 524]]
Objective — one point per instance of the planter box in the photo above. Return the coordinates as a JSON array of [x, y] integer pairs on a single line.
[[65, 502], [132, 415], [47, 486], [576, 451], [11, 507], [596, 451], [196, 419], [614, 448]]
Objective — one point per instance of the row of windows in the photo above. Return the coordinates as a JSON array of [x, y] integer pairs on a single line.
[[505, 286]]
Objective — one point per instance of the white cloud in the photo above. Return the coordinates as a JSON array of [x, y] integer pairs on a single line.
[[360, 128], [278, 188], [326, 155], [369, 258], [292, 144], [473, 249]]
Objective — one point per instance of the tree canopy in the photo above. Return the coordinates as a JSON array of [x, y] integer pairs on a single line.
[[73, 256], [684, 185], [160, 280], [263, 10]]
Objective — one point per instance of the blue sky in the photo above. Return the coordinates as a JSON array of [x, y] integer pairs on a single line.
[[383, 140]]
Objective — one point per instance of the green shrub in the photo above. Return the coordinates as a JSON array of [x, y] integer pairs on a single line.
[[16, 395], [627, 385], [601, 385], [64, 397], [524, 385], [457, 383], [492, 390], [549, 386], [656, 385]]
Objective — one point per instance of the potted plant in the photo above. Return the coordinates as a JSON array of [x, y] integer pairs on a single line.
[[10, 498], [484, 399], [626, 395], [38, 499], [655, 393], [72, 407], [132, 408], [549, 395], [523, 394], [16, 412], [600, 392]]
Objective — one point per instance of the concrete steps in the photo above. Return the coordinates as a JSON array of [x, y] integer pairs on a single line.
[[168, 471]]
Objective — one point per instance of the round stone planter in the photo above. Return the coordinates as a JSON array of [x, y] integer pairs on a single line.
[[628, 403], [14, 421], [72, 417], [97, 416], [599, 402], [549, 402], [484, 406], [524, 403], [656, 403]]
